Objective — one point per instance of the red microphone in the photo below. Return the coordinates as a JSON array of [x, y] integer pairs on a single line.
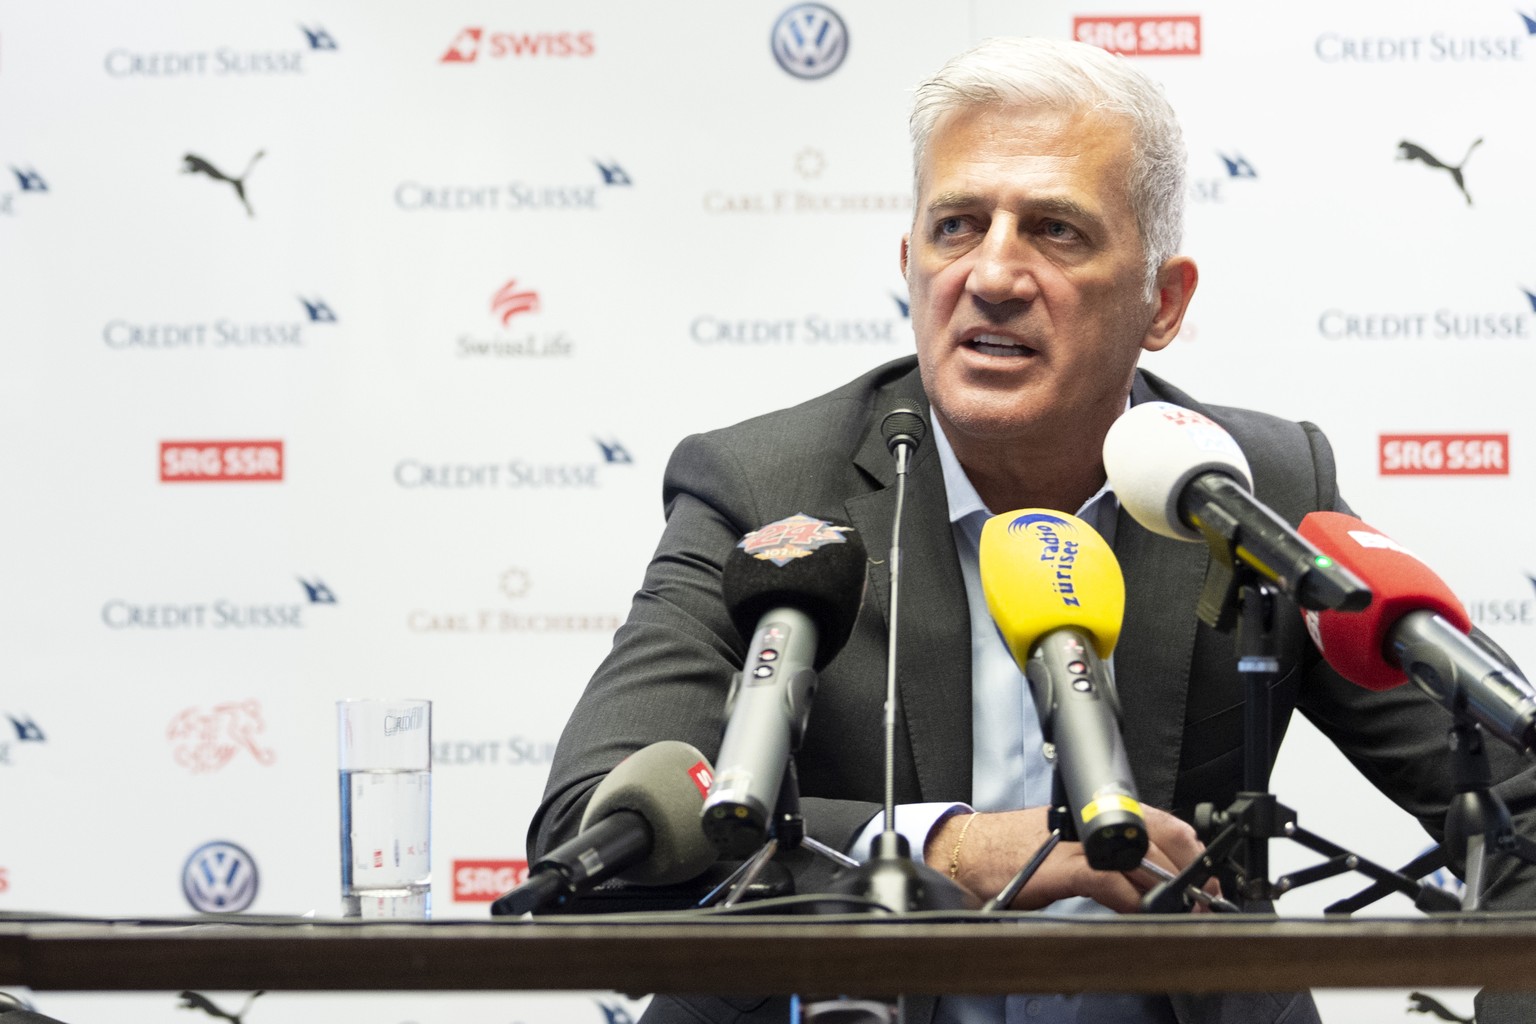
[[1415, 628]]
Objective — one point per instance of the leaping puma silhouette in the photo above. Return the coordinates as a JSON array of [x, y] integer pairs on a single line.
[[193, 164], [196, 1001], [1418, 1002], [1412, 151]]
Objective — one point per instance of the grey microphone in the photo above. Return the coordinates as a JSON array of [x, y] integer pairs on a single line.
[[641, 826]]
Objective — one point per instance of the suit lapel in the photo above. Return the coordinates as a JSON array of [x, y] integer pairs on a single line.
[[1154, 658], [1152, 661], [934, 661]]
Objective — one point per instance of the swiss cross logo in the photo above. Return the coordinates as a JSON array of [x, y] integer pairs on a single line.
[[703, 776], [221, 461], [1444, 455], [482, 881], [1147, 35]]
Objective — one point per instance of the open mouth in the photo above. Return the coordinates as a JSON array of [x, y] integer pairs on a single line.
[[995, 345]]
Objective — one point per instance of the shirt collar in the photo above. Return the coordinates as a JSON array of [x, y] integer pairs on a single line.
[[964, 501]]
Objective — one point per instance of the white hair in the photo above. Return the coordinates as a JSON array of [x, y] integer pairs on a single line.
[[1068, 77]]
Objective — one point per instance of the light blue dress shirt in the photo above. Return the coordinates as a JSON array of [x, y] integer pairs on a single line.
[[1008, 766]]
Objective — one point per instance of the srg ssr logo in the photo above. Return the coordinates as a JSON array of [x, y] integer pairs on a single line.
[[1444, 455]]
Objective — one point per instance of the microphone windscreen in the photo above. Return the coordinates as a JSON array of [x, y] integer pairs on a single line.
[[903, 426], [1042, 570], [812, 565], [1154, 450], [1356, 643], [665, 783]]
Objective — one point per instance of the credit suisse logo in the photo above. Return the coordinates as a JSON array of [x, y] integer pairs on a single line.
[[1146, 35], [177, 334], [1466, 43], [28, 182], [119, 613], [1506, 608], [236, 60], [221, 462], [23, 729], [482, 881], [574, 191], [475, 42], [810, 329], [513, 474], [1444, 455]]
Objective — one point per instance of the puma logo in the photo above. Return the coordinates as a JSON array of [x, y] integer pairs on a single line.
[[1412, 151], [193, 164], [1418, 1002], [194, 1001]]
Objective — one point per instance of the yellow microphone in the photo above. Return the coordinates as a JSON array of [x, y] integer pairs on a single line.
[[1055, 591]]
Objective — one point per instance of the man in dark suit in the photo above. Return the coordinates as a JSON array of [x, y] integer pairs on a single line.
[[1042, 261]]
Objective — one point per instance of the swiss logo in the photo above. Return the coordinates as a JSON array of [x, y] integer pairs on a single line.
[[1444, 455], [1149, 35]]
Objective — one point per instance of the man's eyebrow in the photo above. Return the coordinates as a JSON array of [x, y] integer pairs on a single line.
[[1049, 205]]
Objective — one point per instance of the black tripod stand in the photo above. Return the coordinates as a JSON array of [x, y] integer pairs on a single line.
[[1236, 600]]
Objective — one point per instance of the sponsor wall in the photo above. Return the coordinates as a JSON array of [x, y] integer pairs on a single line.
[[347, 343]]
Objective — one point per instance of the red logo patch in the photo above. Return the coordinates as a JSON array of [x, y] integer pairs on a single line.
[[482, 881], [221, 461], [1444, 455], [1149, 35]]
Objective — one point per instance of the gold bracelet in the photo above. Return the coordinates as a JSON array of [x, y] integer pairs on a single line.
[[954, 856]]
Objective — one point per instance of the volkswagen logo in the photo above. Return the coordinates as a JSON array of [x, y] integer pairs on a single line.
[[219, 878], [809, 41]]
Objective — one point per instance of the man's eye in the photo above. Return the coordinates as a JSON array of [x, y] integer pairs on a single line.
[[949, 226], [1059, 229]]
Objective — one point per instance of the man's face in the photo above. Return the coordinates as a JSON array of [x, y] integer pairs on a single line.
[[1026, 274]]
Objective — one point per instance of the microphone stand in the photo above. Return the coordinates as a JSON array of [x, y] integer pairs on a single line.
[[891, 877], [1236, 599], [786, 831], [1477, 822]]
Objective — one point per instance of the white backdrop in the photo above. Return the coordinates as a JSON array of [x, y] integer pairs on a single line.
[[466, 307]]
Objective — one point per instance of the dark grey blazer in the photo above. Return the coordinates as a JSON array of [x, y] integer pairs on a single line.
[[671, 662]]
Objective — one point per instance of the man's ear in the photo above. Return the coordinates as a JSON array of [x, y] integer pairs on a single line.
[[1176, 281], [905, 240]]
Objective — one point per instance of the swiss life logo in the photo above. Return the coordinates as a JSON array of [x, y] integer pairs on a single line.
[[1444, 455], [221, 462], [1146, 35]]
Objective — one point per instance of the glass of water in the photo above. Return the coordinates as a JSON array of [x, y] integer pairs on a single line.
[[384, 751]]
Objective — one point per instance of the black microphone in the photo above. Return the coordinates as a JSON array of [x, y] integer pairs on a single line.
[[891, 878], [641, 826], [903, 428], [1181, 475], [793, 588]]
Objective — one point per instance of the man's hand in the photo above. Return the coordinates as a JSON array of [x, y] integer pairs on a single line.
[[998, 844]]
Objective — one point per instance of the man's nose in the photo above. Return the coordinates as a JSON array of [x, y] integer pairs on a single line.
[[1002, 264]]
